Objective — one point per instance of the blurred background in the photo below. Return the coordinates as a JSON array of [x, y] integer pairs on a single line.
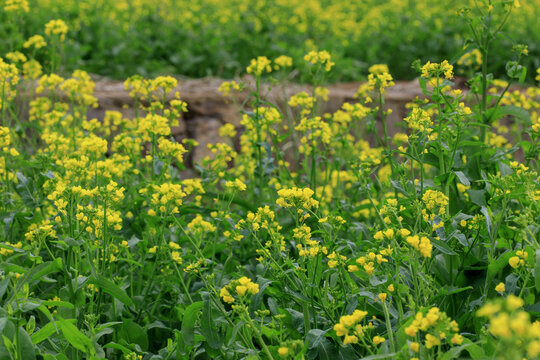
[[198, 38]]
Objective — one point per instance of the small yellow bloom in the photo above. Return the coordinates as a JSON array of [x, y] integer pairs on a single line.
[[500, 287], [283, 351]]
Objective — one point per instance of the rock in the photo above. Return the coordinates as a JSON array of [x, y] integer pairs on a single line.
[[205, 130]]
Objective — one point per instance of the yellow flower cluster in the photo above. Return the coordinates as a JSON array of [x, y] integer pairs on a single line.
[[16, 6], [312, 248], [437, 70], [167, 197], [49, 82], [419, 120], [175, 252], [282, 61], [237, 185], [199, 226], [303, 100], [5, 251], [171, 149], [259, 66], [153, 124], [161, 86], [242, 287], [351, 328], [79, 88], [435, 202], [297, 197], [38, 232], [264, 219], [438, 326], [316, 131], [227, 86], [35, 41], [368, 261], [380, 80], [513, 326], [9, 78], [335, 260], [422, 244], [6, 142], [56, 28], [320, 57], [518, 260]]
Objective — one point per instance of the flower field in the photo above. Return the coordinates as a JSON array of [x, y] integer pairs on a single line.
[[305, 235]]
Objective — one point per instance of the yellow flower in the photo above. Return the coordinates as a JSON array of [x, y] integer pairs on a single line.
[[500, 287], [56, 27], [16, 6], [457, 339], [282, 61], [378, 340], [320, 57], [259, 66], [436, 70], [283, 351], [513, 302], [414, 346], [350, 339], [36, 41], [431, 341]]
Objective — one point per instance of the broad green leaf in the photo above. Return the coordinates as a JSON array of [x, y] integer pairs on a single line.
[[75, 337], [133, 333], [478, 197], [496, 266], [191, 314], [319, 346], [489, 224], [44, 333], [111, 288], [462, 178], [443, 247], [208, 326]]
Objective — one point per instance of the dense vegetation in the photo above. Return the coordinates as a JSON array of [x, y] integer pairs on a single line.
[[197, 38], [304, 235]]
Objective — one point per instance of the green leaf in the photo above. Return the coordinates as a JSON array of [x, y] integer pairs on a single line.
[[478, 197], [28, 351], [319, 346], [58, 304], [489, 224], [75, 337], [512, 110], [443, 247], [191, 314], [133, 333], [462, 178], [208, 326], [496, 266], [122, 348], [111, 288], [44, 333], [381, 356]]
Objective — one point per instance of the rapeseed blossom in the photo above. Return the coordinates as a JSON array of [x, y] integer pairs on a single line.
[[56, 28], [242, 288]]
